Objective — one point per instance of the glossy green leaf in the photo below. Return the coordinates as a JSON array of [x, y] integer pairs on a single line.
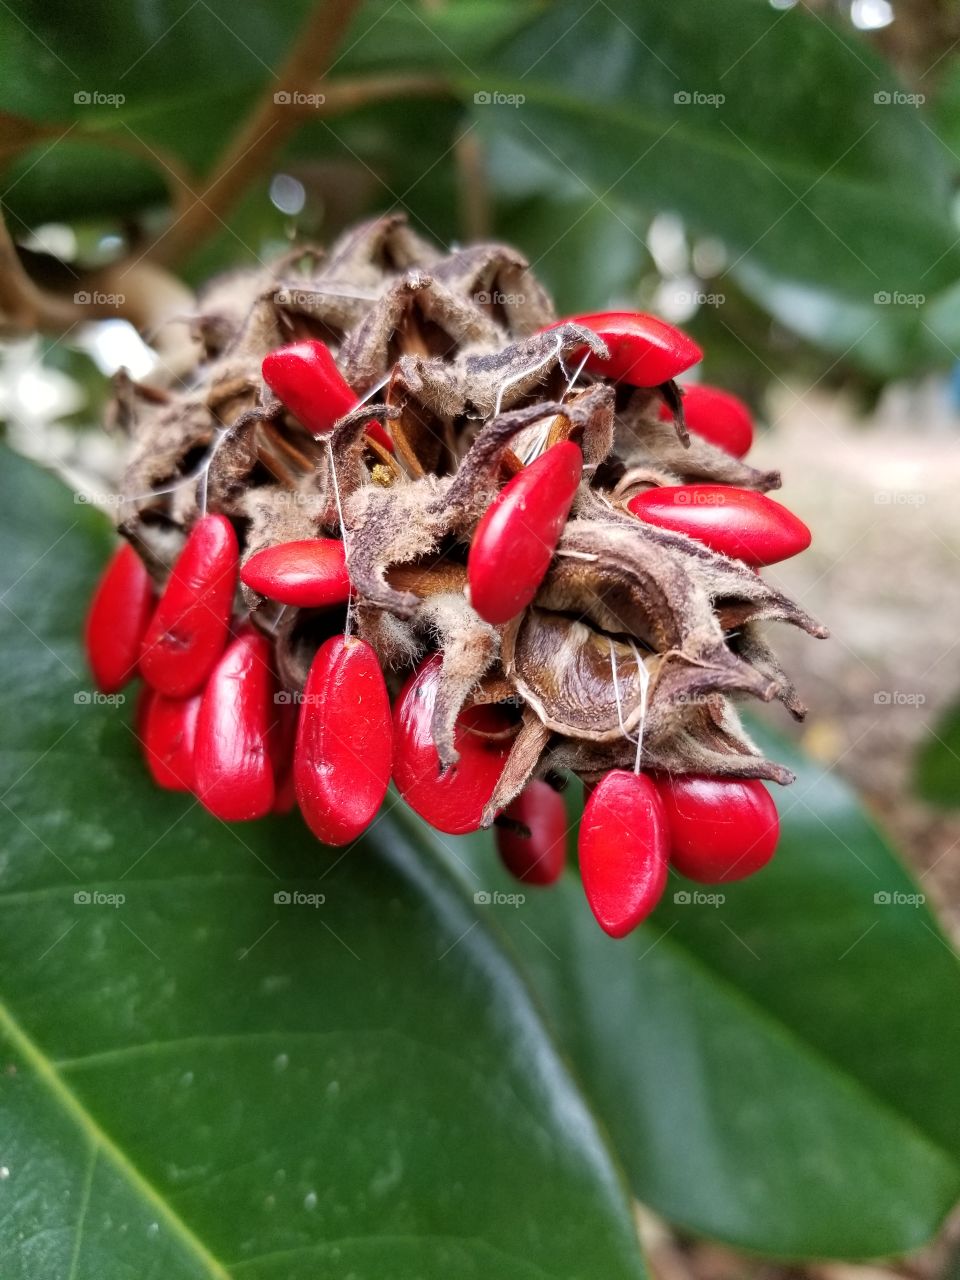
[[775, 130], [938, 761], [772, 1064], [212, 1077]]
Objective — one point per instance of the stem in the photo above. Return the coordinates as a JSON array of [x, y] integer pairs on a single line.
[[262, 134]]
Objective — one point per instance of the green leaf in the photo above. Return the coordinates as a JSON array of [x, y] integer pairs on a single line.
[[203, 1080], [771, 1066], [938, 762], [797, 166]]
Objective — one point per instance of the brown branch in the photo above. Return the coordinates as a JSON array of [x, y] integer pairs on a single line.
[[263, 133]]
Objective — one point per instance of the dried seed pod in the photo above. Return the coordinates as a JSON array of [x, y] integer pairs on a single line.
[[117, 620], [344, 750], [563, 627]]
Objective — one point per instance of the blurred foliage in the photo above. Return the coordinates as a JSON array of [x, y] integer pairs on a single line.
[[777, 136]]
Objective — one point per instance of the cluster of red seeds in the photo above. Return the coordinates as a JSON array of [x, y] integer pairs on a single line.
[[214, 721]]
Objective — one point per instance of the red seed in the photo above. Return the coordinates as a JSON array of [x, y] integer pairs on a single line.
[[189, 626], [740, 523], [451, 800], [169, 735], [540, 857], [720, 828], [717, 416], [623, 850], [117, 619], [280, 743], [644, 350], [304, 375], [233, 773], [344, 750], [518, 534], [309, 574]]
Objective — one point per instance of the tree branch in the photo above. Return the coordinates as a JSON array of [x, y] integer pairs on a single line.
[[262, 134]]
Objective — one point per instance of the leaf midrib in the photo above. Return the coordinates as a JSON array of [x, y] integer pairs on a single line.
[[102, 1142]]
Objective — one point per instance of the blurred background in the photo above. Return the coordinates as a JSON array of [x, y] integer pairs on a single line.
[[779, 178]]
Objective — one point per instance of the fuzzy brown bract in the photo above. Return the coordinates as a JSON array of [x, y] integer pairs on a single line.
[[633, 626]]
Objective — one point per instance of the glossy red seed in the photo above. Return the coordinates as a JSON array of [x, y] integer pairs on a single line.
[[344, 751], [190, 624], [169, 734], [280, 744], [117, 620], [518, 534], [623, 849], [304, 375], [232, 769], [452, 800], [540, 857], [309, 574], [740, 523], [644, 350], [720, 828], [717, 416]]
